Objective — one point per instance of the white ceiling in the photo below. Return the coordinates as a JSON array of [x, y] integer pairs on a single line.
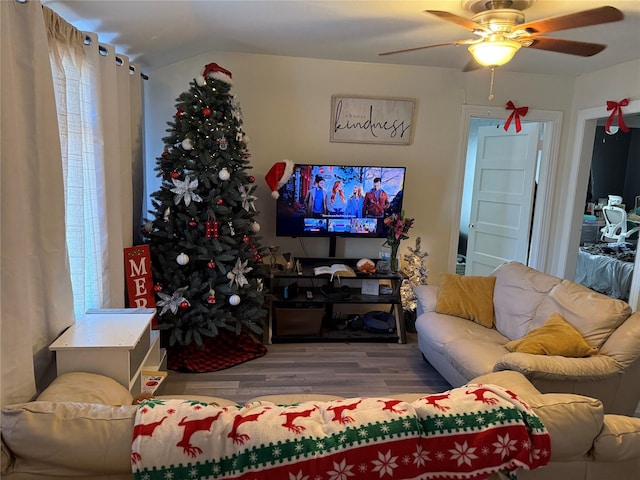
[[157, 33]]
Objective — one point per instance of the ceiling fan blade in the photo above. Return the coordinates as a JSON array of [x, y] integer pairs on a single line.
[[572, 47], [585, 18], [459, 42], [460, 21]]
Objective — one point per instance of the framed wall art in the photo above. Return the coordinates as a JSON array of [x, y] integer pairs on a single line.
[[358, 119]]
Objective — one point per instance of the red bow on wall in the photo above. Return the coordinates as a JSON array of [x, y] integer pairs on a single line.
[[516, 114], [214, 67], [617, 110]]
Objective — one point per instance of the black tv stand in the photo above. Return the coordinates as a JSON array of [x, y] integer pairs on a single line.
[[296, 317]]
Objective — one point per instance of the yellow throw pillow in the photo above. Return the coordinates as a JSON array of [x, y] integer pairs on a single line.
[[555, 337], [467, 297]]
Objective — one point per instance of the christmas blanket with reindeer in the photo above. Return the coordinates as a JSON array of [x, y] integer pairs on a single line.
[[465, 433]]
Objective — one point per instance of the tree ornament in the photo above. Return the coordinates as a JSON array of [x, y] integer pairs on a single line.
[[166, 214], [234, 300], [255, 227], [246, 239], [211, 229], [193, 223], [175, 174], [182, 259], [185, 190], [171, 302], [179, 112], [237, 274], [212, 296], [211, 264], [247, 198], [206, 112], [222, 143], [220, 201], [224, 174], [165, 154], [157, 288], [232, 232], [184, 305], [187, 144], [251, 179]]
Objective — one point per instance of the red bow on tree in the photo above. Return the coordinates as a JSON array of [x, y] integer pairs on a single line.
[[214, 67], [617, 110], [516, 114]]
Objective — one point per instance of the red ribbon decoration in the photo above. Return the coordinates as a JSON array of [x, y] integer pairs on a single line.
[[617, 110], [214, 67], [516, 114]]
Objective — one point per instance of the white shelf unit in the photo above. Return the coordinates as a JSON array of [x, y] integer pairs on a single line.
[[117, 343]]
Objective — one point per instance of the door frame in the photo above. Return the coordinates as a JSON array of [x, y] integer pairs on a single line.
[[576, 190], [541, 230]]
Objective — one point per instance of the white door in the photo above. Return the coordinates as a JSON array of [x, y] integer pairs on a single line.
[[502, 198]]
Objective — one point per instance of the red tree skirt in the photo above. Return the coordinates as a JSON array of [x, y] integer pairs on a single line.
[[217, 353]]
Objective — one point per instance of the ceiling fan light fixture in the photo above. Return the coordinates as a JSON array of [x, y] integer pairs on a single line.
[[494, 53]]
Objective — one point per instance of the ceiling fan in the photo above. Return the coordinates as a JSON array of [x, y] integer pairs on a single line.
[[501, 31]]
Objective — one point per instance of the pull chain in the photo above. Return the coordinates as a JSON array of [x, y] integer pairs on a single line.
[[493, 71], [490, 97]]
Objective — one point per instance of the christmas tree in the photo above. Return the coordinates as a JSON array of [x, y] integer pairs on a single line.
[[415, 273], [205, 254]]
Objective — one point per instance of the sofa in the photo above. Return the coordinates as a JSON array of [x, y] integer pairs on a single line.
[[81, 427], [471, 326]]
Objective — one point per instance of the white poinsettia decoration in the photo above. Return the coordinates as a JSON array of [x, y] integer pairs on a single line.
[[247, 198], [237, 274], [184, 189], [171, 302]]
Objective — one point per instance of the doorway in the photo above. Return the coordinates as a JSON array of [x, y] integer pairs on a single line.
[[550, 123], [587, 121]]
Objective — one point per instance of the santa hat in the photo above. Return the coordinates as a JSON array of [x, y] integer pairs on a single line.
[[278, 175], [213, 70]]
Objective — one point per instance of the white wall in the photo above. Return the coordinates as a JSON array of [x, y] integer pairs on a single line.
[[286, 106]]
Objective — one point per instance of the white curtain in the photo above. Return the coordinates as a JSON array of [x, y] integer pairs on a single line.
[[100, 113], [36, 303], [99, 101]]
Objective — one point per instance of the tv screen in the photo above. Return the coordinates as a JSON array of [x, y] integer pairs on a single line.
[[338, 200]]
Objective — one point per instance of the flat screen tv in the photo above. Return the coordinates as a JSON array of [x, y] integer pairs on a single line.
[[338, 200]]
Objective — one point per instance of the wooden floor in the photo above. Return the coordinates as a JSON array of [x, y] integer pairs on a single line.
[[346, 369]]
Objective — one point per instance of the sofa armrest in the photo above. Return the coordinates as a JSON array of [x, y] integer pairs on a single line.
[[619, 439], [545, 367], [623, 345], [426, 298]]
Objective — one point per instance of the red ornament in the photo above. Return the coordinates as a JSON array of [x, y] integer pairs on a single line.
[[252, 179], [246, 239], [211, 299], [157, 287], [179, 113], [211, 229], [165, 154], [211, 264], [206, 111], [184, 305], [192, 223], [175, 174], [220, 201]]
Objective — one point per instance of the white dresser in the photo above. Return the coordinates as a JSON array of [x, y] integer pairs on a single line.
[[117, 343]]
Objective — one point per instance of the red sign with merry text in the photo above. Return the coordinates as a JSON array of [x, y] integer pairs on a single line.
[[137, 268]]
